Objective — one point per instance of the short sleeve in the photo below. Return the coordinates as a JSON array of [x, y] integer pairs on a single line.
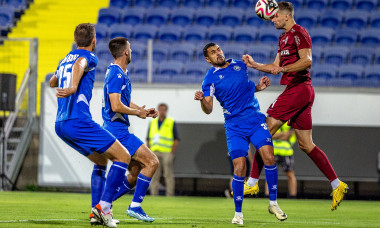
[[208, 87], [115, 82], [92, 60], [302, 40]]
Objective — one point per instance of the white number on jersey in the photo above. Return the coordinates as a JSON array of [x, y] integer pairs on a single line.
[[65, 76], [264, 125]]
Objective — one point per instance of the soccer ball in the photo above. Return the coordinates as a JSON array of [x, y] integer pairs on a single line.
[[266, 9]]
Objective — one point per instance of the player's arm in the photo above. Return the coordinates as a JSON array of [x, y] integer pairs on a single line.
[[206, 102], [53, 82], [264, 82], [77, 73], [267, 68], [303, 63], [152, 112], [118, 106]]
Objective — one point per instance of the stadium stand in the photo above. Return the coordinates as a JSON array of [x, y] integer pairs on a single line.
[[133, 16], [317, 4]]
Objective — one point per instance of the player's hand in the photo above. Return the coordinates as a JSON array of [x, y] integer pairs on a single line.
[[264, 82], [199, 95], [248, 60], [142, 112], [62, 93], [276, 70], [152, 113]]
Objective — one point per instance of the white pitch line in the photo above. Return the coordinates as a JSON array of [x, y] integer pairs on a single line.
[[49, 220]]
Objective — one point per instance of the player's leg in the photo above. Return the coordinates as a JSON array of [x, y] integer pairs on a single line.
[[239, 162], [155, 182], [129, 182]]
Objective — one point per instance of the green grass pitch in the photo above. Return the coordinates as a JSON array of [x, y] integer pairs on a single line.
[[39, 209]]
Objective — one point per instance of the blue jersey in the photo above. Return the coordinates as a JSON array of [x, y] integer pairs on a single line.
[[234, 91], [116, 81], [76, 105]]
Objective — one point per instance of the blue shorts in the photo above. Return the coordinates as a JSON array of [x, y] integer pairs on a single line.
[[241, 133], [120, 131], [84, 135]]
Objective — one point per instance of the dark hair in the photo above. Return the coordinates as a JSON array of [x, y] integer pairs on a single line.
[[117, 46], [164, 105], [84, 34], [206, 47], [286, 6]]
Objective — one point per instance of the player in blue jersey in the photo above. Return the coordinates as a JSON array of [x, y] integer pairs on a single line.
[[117, 106], [74, 125], [227, 80]]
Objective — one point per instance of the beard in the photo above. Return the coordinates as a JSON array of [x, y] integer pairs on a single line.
[[221, 62]]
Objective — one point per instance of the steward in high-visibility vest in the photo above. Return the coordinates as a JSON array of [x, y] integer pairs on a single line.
[[161, 139], [282, 147]]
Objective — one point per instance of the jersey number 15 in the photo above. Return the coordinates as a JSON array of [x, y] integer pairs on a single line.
[[64, 76]]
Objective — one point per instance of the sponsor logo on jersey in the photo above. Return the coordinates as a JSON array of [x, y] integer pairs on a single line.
[[237, 68], [285, 52]]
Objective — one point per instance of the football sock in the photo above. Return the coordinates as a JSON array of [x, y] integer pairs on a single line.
[[257, 166], [106, 206], [272, 202], [98, 181], [322, 162], [238, 189], [252, 181], [124, 189], [238, 213], [335, 183], [142, 186], [272, 180], [115, 178]]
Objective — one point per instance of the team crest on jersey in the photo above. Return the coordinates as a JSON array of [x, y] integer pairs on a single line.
[[221, 76], [119, 75], [237, 68]]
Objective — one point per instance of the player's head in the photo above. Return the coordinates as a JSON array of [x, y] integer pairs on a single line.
[[162, 109], [284, 15], [120, 48], [214, 55], [85, 36]]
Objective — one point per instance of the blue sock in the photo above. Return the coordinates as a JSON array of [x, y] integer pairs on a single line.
[[98, 181], [238, 189], [123, 189], [142, 186], [115, 179], [272, 180]]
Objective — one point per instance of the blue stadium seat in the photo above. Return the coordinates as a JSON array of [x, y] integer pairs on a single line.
[[367, 5], [217, 3], [346, 36], [377, 56], [182, 52], [324, 71], [336, 55], [100, 70], [317, 4], [356, 19], [243, 4], [138, 78], [317, 53], [375, 19], [6, 17], [182, 16], [101, 32], [109, 16], [220, 33], [370, 37], [207, 16], [296, 3], [145, 32], [103, 52], [319, 81], [342, 5], [133, 16], [340, 82], [372, 72], [168, 3], [144, 3], [350, 71], [321, 36], [232, 16], [171, 68], [253, 20], [269, 36], [261, 53], [121, 30], [197, 68], [160, 51], [170, 33], [368, 82], [141, 67], [120, 3], [17, 4], [361, 55], [195, 33], [193, 3], [138, 50], [234, 51], [245, 34], [332, 19], [157, 16], [307, 18]]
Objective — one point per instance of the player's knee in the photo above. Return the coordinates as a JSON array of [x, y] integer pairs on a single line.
[[240, 169], [306, 147], [269, 159]]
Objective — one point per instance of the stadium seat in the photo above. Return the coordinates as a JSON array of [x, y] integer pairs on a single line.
[[103, 52], [317, 53], [346, 36], [182, 52], [316, 4], [269, 36], [324, 71], [138, 78], [367, 82], [195, 33], [109, 16], [361, 55], [168, 3], [245, 34], [171, 68], [220, 33], [375, 19], [17, 4], [232, 16], [193, 3], [157, 16], [141, 67], [367, 5], [133, 16], [182, 16], [336, 55], [138, 50], [170, 33], [372, 72], [253, 20], [243, 4], [377, 56], [160, 51], [350, 71], [296, 3], [321, 36], [121, 30], [356, 19], [319, 81], [145, 32], [100, 70], [120, 3], [144, 3], [261, 53], [6, 17], [101, 32], [207, 16], [307, 18], [331, 18], [217, 3], [342, 5], [234, 51], [370, 37], [197, 68], [340, 82]]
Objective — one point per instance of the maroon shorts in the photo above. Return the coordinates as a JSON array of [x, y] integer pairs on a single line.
[[294, 105]]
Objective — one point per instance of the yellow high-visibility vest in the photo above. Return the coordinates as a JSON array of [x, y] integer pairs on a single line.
[[281, 147], [162, 139]]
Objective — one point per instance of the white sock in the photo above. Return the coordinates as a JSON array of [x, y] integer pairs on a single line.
[[252, 181], [134, 204], [105, 206], [238, 213], [272, 202], [335, 183]]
